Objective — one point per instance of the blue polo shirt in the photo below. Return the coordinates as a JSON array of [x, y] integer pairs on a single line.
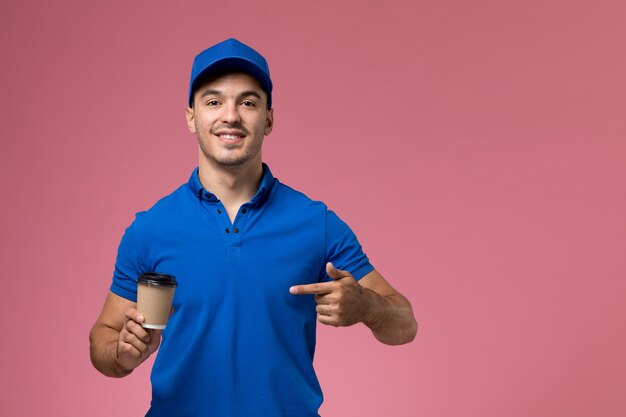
[[238, 343]]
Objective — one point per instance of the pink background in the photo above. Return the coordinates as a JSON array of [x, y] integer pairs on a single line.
[[477, 149]]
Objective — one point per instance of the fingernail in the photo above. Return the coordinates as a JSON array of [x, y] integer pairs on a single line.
[[292, 290], [139, 317]]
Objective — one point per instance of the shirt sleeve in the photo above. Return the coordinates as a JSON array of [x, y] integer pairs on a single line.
[[343, 249], [128, 265]]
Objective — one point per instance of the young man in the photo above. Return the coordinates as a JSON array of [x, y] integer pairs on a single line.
[[257, 263]]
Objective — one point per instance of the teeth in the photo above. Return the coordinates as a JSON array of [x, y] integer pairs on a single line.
[[230, 136]]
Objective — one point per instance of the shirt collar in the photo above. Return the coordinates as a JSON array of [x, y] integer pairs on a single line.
[[267, 182]]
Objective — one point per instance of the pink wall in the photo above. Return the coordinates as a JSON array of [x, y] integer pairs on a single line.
[[477, 148]]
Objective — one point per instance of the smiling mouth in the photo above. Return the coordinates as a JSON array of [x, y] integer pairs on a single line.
[[229, 136]]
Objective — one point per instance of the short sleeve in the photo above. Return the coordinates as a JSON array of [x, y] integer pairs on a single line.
[[343, 249], [128, 265]]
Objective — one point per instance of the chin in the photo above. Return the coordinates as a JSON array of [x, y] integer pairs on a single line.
[[232, 162]]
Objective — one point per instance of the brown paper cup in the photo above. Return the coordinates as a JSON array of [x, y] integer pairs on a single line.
[[155, 293]]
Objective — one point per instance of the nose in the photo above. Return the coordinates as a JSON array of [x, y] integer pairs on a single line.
[[230, 114]]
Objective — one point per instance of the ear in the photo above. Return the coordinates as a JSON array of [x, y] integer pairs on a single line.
[[191, 119], [269, 122]]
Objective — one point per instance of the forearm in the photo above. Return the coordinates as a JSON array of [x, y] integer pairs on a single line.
[[390, 318], [103, 350]]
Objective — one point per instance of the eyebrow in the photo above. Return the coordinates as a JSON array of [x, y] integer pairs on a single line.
[[209, 92]]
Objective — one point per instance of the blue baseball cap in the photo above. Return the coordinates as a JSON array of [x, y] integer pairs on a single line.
[[230, 56]]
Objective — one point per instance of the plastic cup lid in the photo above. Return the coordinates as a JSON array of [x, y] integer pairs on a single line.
[[154, 278]]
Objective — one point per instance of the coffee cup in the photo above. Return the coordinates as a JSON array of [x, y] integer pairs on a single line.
[[155, 293]]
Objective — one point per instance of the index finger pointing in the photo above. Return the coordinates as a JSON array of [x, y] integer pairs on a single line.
[[322, 288]]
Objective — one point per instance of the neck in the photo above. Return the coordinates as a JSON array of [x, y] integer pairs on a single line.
[[233, 185]]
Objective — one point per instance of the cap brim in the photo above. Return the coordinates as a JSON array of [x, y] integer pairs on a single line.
[[231, 65]]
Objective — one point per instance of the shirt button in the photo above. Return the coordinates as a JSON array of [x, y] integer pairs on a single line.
[[227, 230], [236, 230], [244, 211], [219, 211]]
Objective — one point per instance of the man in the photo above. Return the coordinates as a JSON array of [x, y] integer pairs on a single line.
[[257, 263]]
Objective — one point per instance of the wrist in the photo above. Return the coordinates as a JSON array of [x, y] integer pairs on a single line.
[[119, 369], [374, 315]]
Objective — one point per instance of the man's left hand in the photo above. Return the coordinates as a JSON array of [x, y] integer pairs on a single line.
[[340, 302]]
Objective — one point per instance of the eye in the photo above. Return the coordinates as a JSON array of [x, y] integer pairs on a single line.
[[248, 103], [212, 103]]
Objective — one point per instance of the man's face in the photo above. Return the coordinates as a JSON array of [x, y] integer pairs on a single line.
[[230, 118]]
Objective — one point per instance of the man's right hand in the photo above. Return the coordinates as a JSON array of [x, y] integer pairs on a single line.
[[117, 342], [135, 344]]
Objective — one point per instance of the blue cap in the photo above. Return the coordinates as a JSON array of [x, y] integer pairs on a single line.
[[230, 56]]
